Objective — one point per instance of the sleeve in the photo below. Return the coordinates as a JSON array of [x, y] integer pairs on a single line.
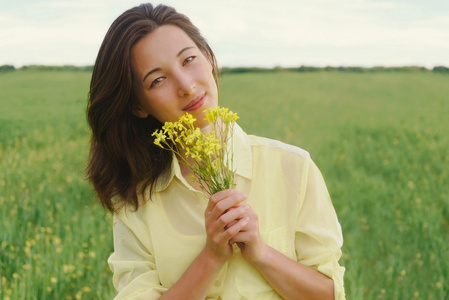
[[318, 237], [133, 264]]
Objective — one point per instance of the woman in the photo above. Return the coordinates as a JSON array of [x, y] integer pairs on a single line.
[[275, 236]]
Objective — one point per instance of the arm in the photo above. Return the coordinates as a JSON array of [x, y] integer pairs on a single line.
[[133, 264], [134, 267], [289, 278], [317, 242], [195, 282]]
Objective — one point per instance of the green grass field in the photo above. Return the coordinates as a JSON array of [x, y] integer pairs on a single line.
[[380, 140]]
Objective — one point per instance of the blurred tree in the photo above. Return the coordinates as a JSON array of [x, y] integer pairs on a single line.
[[7, 68]]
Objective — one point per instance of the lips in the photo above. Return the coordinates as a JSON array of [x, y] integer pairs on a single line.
[[196, 103]]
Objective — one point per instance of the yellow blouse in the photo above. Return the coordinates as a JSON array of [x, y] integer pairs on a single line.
[[155, 245]]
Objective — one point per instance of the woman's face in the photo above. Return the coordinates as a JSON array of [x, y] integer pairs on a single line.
[[172, 76]]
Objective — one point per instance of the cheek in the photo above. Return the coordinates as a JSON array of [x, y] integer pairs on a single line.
[[155, 98], [148, 104], [207, 74], [206, 65], [210, 69], [162, 106]]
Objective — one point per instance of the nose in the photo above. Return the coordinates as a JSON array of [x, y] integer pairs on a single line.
[[186, 84]]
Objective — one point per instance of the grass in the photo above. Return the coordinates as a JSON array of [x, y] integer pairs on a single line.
[[379, 139], [54, 237]]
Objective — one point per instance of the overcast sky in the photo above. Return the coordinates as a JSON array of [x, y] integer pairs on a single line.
[[242, 32]]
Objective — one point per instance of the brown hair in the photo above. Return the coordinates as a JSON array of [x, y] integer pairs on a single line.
[[123, 159]]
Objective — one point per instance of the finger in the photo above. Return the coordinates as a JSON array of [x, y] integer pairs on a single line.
[[241, 203], [247, 213], [225, 204], [239, 237], [215, 198], [232, 216], [248, 234], [235, 229], [231, 223]]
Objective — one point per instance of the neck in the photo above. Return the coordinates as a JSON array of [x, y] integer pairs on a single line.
[[206, 129]]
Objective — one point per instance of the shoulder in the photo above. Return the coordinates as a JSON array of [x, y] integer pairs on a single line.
[[269, 146], [126, 212]]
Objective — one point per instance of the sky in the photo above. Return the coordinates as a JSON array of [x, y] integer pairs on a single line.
[[261, 33]]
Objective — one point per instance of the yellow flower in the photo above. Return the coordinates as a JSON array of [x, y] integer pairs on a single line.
[[187, 119], [78, 295], [189, 139], [211, 168], [208, 151], [167, 126], [56, 240], [68, 268]]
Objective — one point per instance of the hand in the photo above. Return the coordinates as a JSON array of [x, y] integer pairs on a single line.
[[248, 239], [224, 219]]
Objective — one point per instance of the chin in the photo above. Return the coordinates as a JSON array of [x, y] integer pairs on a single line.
[[202, 124]]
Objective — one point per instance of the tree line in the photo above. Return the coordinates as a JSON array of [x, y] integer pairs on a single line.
[[227, 70], [71, 68], [353, 69]]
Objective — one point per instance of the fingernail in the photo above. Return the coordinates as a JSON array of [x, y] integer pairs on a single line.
[[245, 207]]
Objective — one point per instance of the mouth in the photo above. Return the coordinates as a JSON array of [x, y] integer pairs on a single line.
[[195, 103]]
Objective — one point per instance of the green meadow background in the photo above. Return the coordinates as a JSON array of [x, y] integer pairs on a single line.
[[380, 139]]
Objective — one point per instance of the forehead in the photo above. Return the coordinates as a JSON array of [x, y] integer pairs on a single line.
[[162, 44]]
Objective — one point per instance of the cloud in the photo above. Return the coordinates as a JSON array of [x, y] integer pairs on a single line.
[[251, 32]]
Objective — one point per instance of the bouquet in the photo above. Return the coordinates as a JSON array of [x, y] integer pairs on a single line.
[[212, 153]]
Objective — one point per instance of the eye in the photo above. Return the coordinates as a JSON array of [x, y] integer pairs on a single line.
[[156, 81], [188, 60]]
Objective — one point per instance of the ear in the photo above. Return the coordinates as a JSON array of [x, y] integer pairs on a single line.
[[139, 112]]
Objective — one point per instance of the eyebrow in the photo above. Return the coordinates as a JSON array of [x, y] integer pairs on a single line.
[[158, 69]]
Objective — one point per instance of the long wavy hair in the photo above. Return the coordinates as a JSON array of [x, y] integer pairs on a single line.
[[123, 160]]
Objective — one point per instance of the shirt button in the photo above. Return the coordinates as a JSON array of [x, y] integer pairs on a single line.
[[217, 283]]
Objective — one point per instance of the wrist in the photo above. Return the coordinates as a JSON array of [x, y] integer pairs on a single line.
[[210, 259], [262, 257]]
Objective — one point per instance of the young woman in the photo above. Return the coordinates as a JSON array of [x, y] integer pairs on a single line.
[[276, 236]]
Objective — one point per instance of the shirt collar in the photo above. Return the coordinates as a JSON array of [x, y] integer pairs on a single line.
[[164, 180], [242, 160], [242, 153]]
